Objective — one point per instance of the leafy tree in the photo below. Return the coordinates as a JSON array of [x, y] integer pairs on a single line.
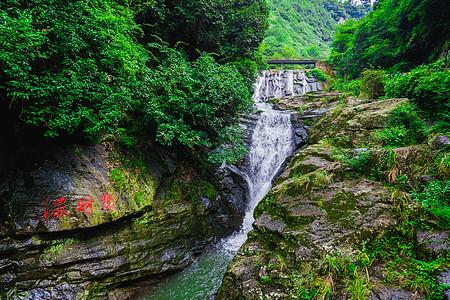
[[69, 65], [192, 103], [229, 28], [427, 86]]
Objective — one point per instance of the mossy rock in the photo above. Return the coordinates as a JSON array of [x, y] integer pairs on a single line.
[[351, 125]]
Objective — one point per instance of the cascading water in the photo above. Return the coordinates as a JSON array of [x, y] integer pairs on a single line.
[[283, 83], [272, 142]]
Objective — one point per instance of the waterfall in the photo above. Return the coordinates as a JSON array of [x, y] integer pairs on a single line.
[[289, 90], [272, 142], [281, 83]]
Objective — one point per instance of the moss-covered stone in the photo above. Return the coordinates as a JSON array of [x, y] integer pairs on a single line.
[[352, 124]]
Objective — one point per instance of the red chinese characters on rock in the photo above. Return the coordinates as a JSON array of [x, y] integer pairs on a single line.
[[59, 208], [108, 202], [45, 208], [82, 205]]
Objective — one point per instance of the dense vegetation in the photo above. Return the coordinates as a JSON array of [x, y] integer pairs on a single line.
[[112, 69], [305, 28], [396, 35]]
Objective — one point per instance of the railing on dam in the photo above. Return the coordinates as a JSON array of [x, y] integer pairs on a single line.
[[291, 61]]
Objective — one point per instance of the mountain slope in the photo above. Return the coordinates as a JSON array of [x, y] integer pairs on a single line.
[[300, 28]]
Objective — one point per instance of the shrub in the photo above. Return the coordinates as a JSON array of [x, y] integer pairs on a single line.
[[426, 86], [405, 128], [195, 104], [353, 86], [372, 86], [68, 67], [75, 67], [356, 159], [443, 124], [319, 75], [436, 200]]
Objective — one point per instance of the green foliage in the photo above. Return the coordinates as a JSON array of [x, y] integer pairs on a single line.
[[372, 86], [76, 67], [231, 29], [56, 247], [356, 159], [426, 86], [396, 34], [232, 149], [436, 200], [352, 86], [442, 163], [319, 75], [405, 128], [404, 267], [442, 125], [190, 191], [117, 178], [70, 65], [305, 28], [194, 103], [343, 268]]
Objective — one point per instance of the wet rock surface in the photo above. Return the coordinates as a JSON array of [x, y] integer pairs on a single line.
[[120, 222]]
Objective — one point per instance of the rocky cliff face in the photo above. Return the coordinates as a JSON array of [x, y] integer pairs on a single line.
[[83, 221], [334, 227]]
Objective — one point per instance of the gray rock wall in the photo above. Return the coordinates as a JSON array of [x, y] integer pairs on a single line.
[[132, 227]]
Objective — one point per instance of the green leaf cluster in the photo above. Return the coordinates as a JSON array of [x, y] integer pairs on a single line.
[[405, 128], [427, 86], [192, 103], [69, 65], [436, 200], [372, 86], [231, 29]]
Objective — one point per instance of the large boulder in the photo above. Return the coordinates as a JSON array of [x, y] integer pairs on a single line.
[[303, 219], [352, 124]]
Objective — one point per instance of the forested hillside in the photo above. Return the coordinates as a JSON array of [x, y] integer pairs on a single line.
[[397, 35], [179, 71], [306, 28]]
